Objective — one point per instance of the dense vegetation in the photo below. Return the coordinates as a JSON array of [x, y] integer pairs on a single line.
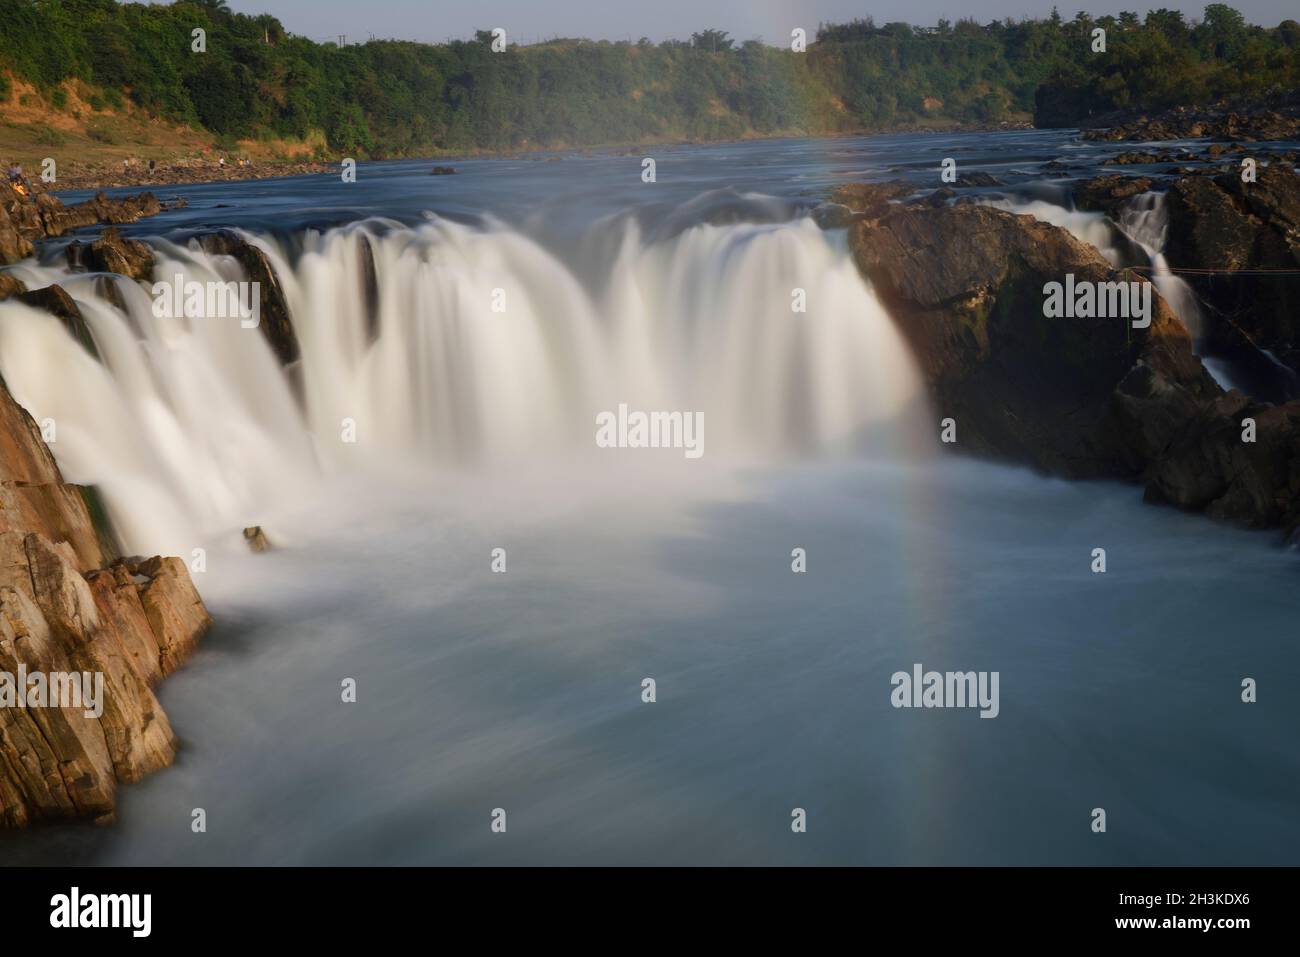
[[393, 97]]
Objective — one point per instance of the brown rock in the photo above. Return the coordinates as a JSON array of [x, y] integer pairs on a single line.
[[870, 197], [114, 253], [256, 539], [1222, 224], [128, 624], [1108, 194], [965, 284], [10, 286]]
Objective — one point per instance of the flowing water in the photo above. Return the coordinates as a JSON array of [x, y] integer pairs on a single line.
[[522, 690]]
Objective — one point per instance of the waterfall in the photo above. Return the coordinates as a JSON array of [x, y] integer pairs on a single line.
[[1145, 220], [483, 350]]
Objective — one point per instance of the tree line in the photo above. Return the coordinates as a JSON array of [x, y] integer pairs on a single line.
[[394, 98]]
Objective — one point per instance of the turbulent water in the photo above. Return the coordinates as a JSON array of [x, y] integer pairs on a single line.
[[487, 351], [522, 690]]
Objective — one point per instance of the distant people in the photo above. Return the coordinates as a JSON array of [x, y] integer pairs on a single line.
[[17, 180], [222, 161], [152, 165]]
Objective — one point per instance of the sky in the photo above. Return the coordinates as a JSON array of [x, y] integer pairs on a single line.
[[769, 20]]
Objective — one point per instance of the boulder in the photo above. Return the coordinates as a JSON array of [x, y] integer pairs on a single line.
[[25, 219], [1109, 194], [977, 178], [833, 215], [965, 283], [114, 253], [1225, 226], [256, 539], [870, 197], [1081, 398], [10, 286]]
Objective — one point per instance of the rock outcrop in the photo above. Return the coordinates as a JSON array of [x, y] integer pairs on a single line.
[[1219, 123], [1109, 194], [68, 604], [24, 219], [113, 252], [1246, 236], [256, 539], [1076, 397]]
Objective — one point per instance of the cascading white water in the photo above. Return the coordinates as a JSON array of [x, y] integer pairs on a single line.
[[1143, 220], [190, 428], [1088, 227], [1146, 221]]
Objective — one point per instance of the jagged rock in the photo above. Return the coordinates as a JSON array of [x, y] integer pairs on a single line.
[[1220, 223], [1108, 194], [977, 178], [1075, 397], [256, 538], [173, 608], [369, 283], [275, 323], [62, 610], [833, 215], [14, 244], [113, 252], [870, 197], [1136, 159], [25, 219], [940, 196], [1246, 122], [965, 284], [1210, 468], [59, 219], [10, 286]]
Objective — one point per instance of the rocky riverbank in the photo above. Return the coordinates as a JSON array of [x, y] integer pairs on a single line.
[[69, 604], [1278, 119], [1094, 397], [175, 173], [27, 219]]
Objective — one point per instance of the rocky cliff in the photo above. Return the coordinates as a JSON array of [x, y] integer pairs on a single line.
[[67, 604], [1076, 397]]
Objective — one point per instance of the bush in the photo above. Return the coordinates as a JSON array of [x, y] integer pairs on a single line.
[[102, 133], [59, 98], [49, 136]]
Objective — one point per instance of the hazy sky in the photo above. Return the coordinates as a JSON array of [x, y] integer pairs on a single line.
[[772, 20]]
